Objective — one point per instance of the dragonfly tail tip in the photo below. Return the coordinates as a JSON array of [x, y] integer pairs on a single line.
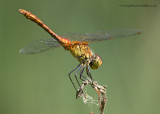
[[22, 11]]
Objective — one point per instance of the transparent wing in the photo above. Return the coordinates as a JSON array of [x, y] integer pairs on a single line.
[[40, 46], [46, 44], [101, 35]]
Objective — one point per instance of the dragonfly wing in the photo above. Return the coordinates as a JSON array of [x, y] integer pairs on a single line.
[[101, 35], [40, 46]]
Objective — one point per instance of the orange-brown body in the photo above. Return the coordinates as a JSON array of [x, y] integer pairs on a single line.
[[79, 50]]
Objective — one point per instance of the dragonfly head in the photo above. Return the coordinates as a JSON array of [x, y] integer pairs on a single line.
[[96, 62]]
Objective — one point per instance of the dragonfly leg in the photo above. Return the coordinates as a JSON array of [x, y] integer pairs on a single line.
[[81, 74], [70, 75], [89, 73], [77, 73]]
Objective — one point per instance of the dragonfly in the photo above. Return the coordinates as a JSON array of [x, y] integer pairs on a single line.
[[76, 43]]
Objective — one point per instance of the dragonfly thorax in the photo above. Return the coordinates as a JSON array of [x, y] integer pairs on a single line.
[[85, 55]]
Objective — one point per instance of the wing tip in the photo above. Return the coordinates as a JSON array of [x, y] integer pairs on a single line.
[[139, 31], [21, 51]]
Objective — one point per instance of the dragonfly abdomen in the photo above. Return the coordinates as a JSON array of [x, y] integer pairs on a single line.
[[64, 42]]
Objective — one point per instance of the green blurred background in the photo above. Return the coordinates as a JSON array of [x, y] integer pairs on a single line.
[[38, 84]]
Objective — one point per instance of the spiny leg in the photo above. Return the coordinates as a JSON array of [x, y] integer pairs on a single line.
[[70, 75], [89, 73], [76, 74], [81, 74], [80, 91]]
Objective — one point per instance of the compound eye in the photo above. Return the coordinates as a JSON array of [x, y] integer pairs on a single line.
[[96, 62]]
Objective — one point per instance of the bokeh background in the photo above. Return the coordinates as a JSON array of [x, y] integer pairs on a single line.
[[39, 83]]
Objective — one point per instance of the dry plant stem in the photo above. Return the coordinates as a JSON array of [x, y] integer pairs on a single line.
[[101, 90]]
